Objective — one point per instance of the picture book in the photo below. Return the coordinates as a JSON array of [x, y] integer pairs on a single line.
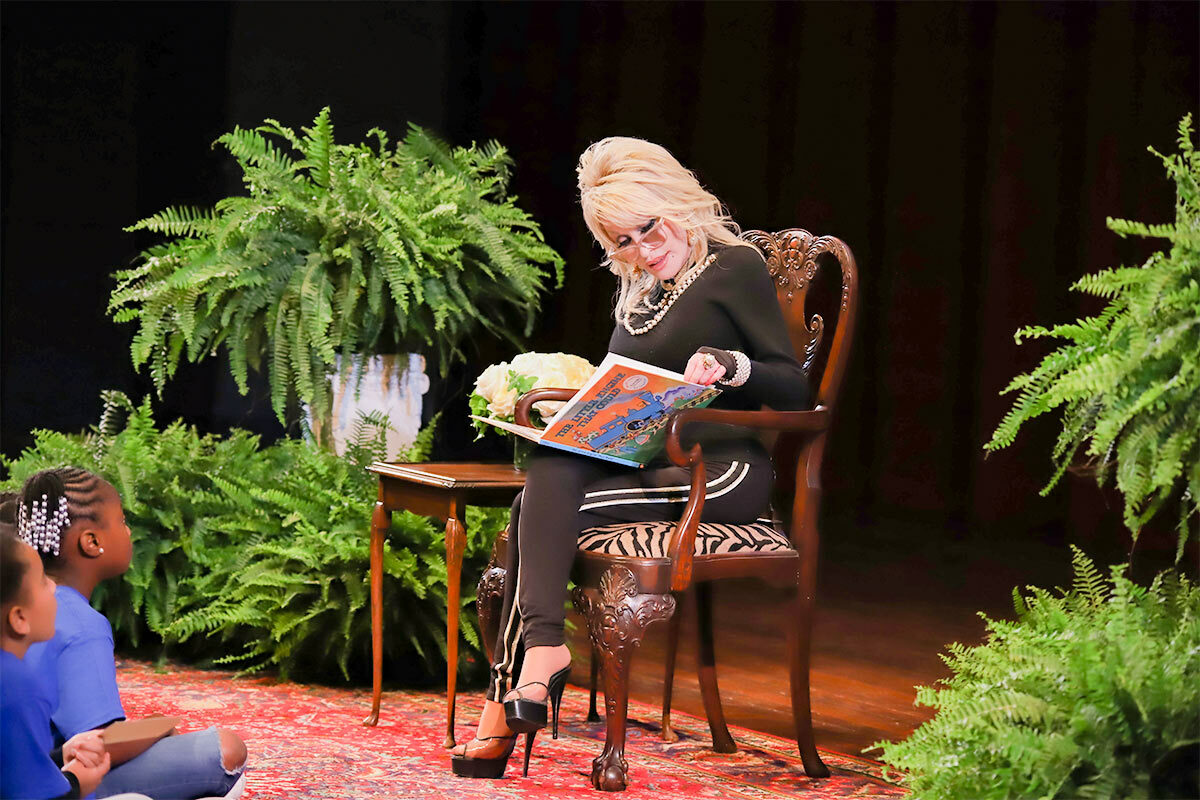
[[620, 414], [127, 739]]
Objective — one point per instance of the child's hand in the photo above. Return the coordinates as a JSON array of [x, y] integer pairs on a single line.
[[89, 777], [88, 747]]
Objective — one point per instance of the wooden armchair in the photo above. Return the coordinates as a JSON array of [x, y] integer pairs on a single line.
[[620, 596]]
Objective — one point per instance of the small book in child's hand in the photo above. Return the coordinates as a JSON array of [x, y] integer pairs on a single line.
[[620, 414], [130, 738]]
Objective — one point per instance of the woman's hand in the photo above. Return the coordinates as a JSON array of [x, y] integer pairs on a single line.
[[89, 777], [704, 369], [87, 747]]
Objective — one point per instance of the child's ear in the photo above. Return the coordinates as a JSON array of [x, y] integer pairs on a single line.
[[17, 621], [89, 544]]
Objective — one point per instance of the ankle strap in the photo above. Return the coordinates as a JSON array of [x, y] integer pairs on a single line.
[[532, 683], [521, 694]]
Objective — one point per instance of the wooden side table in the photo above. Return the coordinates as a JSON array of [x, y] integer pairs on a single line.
[[442, 491]]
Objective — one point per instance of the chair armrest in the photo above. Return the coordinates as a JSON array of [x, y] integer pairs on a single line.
[[681, 548], [525, 402], [795, 421]]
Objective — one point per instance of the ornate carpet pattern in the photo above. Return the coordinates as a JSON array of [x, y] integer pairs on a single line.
[[307, 742]]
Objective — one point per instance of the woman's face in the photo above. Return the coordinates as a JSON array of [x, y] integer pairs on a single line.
[[658, 245]]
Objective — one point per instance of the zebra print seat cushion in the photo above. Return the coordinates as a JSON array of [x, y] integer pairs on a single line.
[[649, 539]]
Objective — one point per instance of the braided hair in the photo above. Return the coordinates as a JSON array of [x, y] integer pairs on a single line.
[[50, 502], [12, 568], [8, 511]]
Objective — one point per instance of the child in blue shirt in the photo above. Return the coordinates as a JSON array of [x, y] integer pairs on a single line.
[[94, 546], [27, 768]]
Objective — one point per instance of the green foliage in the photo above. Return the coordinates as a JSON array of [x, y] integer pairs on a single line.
[[338, 249], [1128, 380], [479, 407], [521, 383], [517, 383], [259, 555], [1091, 693]]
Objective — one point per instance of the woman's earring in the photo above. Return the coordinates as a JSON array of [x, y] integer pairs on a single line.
[[101, 549]]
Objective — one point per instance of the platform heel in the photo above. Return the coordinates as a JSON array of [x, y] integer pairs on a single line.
[[466, 766], [528, 750], [529, 716], [524, 715]]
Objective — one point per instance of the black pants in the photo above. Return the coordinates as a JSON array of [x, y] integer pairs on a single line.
[[565, 494]]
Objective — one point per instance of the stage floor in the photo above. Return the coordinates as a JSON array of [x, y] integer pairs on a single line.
[[889, 599]]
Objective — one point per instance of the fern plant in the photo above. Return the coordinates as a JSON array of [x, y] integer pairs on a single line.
[[1128, 379], [260, 556], [1092, 693], [337, 250]]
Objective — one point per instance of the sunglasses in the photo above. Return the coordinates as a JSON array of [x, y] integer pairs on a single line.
[[653, 236]]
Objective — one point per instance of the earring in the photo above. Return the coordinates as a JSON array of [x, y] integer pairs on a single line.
[[101, 549]]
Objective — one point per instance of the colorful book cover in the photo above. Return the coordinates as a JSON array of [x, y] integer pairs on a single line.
[[620, 414]]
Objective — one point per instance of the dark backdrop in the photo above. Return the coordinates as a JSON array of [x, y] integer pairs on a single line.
[[968, 153]]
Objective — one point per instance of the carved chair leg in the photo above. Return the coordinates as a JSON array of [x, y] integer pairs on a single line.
[[668, 733], [593, 713], [489, 598], [799, 645], [707, 663], [618, 616]]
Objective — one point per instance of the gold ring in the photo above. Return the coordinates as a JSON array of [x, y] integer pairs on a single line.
[[708, 361]]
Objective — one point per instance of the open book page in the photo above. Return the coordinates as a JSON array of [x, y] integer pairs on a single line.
[[621, 413], [532, 434]]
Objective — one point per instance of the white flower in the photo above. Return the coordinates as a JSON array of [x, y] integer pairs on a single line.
[[558, 370], [492, 380], [492, 385], [553, 370]]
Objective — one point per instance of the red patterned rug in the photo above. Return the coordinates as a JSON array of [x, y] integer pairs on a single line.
[[308, 742]]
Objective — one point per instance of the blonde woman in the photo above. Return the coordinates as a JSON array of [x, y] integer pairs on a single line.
[[692, 298]]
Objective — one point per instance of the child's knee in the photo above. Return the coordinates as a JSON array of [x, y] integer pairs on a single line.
[[233, 750]]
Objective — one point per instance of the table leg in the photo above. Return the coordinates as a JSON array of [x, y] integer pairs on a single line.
[[381, 520], [456, 542]]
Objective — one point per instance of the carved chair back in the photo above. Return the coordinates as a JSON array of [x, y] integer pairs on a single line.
[[797, 261]]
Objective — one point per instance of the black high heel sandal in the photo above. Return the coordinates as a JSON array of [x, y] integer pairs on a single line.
[[529, 716], [466, 766]]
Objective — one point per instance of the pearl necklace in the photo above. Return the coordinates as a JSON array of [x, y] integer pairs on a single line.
[[668, 299]]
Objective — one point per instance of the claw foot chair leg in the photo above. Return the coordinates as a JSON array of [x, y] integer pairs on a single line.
[[489, 596], [618, 615]]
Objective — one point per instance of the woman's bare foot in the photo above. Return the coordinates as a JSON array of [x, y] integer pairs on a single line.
[[491, 725], [540, 664]]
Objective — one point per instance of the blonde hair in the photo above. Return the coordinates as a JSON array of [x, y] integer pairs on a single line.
[[623, 182]]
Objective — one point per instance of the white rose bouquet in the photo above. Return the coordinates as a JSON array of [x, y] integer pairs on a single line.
[[499, 386]]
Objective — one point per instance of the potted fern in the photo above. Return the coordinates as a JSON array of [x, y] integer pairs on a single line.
[[1088, 693], [340, 260], [1128, 380], [1093, 692]]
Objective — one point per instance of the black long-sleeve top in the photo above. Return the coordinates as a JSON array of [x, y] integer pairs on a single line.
[[732, 306]]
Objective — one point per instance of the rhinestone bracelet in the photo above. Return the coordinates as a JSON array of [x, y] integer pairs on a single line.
[[742, 374]]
